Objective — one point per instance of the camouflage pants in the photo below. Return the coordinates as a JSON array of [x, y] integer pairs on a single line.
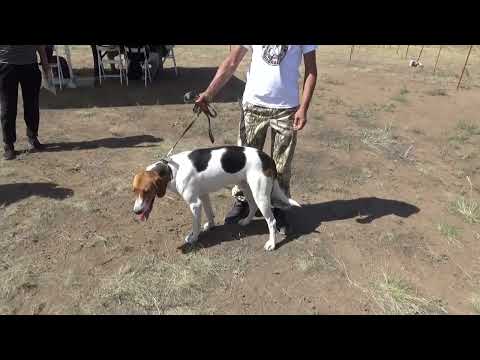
[[253, 128]]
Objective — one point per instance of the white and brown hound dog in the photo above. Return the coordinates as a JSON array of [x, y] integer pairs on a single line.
[[195, 174]]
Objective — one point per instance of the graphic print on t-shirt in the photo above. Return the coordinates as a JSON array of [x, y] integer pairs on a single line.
[[274, 54]]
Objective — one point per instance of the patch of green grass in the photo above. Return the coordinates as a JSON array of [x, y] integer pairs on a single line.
[[476, 303], [342, 144], [401, 96], [329, 80], [336, 101], [404, 91], [469, 127], [437, 92], [464, 131], [449, 232], [396, 297], [388, 107], [362, 114], [418, 131], [389, 238], [467, 208]]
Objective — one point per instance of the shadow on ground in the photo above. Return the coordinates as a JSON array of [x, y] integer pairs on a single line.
[[308, 218], [11, 193], [108, 143], [165, 90]]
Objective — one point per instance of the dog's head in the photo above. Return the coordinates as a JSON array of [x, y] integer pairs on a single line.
[[146, 185]]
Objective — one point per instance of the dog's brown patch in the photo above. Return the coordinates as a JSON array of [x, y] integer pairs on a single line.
[[149, 183], [268, 165], [269, 172]]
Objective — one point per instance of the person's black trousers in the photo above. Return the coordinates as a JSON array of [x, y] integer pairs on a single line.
[[30, 80]]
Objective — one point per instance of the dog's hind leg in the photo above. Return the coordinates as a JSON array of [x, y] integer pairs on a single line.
[[207, 206], [252, 205], [261, 187]]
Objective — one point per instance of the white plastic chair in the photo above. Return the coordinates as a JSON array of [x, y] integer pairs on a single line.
[[120, 60], [170, 55], [56, 65]]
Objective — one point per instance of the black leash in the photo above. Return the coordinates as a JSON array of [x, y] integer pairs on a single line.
[[197, 110]]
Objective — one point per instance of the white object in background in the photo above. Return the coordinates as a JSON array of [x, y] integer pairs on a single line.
[[49, 86]]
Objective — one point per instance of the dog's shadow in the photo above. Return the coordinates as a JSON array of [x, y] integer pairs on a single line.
[[306, 219]]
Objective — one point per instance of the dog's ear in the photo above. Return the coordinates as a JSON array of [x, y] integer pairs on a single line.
[[161, 183]]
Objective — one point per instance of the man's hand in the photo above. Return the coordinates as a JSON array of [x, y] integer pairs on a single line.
[[48, 82], [203, 100], [300, 119]]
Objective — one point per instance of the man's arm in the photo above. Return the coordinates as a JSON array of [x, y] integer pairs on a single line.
[[224, 73], [43, 59], [309, 83]]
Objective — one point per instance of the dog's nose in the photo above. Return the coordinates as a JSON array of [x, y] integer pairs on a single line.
[[137, 211]]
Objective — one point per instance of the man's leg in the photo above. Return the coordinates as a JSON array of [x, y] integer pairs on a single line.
[[284, 140], [30, 81], [8, 107], [96, 80], [253, 128]]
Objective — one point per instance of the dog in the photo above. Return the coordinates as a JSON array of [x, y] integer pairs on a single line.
[[195, 174], [415, 63]]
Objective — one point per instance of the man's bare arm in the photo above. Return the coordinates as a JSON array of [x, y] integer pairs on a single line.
[[223, 75], [309, 83], [310, 79]]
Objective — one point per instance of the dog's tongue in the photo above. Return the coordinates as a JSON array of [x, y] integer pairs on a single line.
[[141, 217]]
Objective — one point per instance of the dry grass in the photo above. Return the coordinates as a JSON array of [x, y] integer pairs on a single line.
[[378, 138], [16, 276], [149, 284], [396, 297], [315, 262]]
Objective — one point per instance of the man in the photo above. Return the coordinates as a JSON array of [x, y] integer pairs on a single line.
[[18, 65], [271, 99]]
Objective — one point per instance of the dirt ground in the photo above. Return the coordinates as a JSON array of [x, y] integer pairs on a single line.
[[387, 170]]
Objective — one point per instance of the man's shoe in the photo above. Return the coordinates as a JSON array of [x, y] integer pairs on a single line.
[[238, 212], [35, 145], [9, 152], [283, 226]]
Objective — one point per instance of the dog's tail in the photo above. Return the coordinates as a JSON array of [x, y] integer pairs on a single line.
[[279, 199]]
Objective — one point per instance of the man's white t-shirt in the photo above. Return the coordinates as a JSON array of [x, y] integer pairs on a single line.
[[272, 80]]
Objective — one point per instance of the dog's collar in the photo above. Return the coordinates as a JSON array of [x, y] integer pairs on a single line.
[[169, 170]]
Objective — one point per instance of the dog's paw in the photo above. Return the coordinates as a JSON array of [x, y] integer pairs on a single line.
[[244, 222], [208, 226], [269, 245], [191, 238]]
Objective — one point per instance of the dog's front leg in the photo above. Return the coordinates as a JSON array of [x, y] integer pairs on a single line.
[[207, 206], [196, 209]]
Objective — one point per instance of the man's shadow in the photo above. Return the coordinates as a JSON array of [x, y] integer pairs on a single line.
[[306, 219], [11, 193], [109, 143]]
